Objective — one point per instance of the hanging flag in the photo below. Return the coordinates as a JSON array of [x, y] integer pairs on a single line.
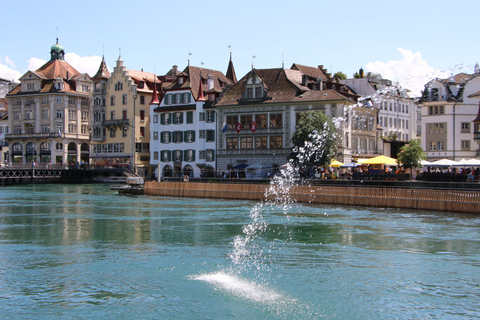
[[239, 127], [225, 127], [254, 126]]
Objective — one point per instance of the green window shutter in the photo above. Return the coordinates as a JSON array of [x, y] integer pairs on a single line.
[[169, 136], [213, 115], [181, 117], [185, 135], [162, 118], [169, 155], [181, 98], [193, 154], [193, 136], [187, 97], [174, 118], [169, 119], [213, 155], [185, 155], [162, 156], [161, 137]]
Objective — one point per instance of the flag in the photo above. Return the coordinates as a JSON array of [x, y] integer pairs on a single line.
[[59, 133], [225, 127], [254, 126], [239, 127]]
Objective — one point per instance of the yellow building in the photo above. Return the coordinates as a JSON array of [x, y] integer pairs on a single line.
[[121, 135]]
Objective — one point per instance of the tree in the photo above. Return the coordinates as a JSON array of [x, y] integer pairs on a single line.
[[410, 156], [314, 141], [340, 75]]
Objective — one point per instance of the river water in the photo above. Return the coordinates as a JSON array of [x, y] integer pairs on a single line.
[[85, 252]]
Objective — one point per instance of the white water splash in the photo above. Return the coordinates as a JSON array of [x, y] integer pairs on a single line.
[[241, 288]]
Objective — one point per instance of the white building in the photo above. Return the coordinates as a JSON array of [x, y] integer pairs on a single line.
[[182, 124], [398, 116], [448, 108]]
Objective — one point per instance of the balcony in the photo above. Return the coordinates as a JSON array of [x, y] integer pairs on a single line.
[[116, 123]]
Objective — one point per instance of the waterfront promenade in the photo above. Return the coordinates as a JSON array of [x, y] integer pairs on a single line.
[[404, 195]]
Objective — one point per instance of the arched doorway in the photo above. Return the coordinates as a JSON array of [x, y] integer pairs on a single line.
[[188, 170], [45, 152], [167, 171], [72, 159], [17, 152], [30, 152], [85, 154], [208, 172]]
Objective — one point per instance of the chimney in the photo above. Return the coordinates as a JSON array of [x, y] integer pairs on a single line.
[[319, 84], [174, 69], [304, 80]]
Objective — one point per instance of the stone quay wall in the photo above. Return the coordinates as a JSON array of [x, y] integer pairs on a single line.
[[448, 200]]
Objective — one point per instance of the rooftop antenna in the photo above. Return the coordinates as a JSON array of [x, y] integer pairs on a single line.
[[189, 53], [253, 57], [57, 35], [119, 53], [283, 63]]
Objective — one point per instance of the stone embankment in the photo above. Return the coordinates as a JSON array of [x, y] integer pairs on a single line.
[[449, 200]]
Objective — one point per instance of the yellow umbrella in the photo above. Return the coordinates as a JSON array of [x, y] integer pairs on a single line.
[[336, 164], [380, 160]]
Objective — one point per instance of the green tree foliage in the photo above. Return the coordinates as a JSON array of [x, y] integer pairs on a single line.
[[314, 141], [340, 75], [410, 156]]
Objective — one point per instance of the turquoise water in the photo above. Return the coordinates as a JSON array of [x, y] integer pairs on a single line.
[[85, 252]]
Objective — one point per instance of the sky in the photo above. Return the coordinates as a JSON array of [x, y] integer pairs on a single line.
[[408, 42]]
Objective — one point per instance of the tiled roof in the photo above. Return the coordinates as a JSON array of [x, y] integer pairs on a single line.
[[309, 71], [282, 86], [102, 70], [195, 74], [56, 69]]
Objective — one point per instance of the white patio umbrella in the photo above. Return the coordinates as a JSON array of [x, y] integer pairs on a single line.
[[469, 162], [444, 163]]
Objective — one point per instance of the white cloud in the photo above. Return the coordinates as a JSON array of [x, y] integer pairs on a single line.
[[6, 71], [35, 63], [411, 72], [87, 64]]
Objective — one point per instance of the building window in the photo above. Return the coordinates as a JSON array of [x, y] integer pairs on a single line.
[[142, 115], [189, 155], [189, 117], [246, 143], [465, 127], [210, 114], [113, 132], [261, 120], [178, 117], [124, 99], [232, 143], [165, 137], [465, 145], [210, 155], [142, 99], [177, 155], [210, 135], [30, 86], [440, 145], [112, 100], [155, 118], [276, 120], [112, 115], [125, 131], [165, 118], [142, 131], [59, 114], [201, 134], [118, 86], [246, 121], [276, 142], [260, 142], [232, 122], [155, 155], [201, 116], [190, 136], [155, 136]]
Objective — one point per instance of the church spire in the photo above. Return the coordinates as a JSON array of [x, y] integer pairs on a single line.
[[155, 96], [231, 71]]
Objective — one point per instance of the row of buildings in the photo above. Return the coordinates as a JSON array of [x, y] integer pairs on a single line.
[[199, 121]]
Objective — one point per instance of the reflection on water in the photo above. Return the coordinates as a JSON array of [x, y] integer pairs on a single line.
[[83, 251]]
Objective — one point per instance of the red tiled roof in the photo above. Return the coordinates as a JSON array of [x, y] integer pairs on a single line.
[[310, 71], [57, 69]]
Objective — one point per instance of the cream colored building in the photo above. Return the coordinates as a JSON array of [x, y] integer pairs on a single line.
[[49, 114], [121, 126]]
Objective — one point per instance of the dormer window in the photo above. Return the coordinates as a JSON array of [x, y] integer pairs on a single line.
[[30, 86], [254, 88], [180, 80]]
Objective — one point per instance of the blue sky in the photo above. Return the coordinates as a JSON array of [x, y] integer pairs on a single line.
[[406, 41]]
